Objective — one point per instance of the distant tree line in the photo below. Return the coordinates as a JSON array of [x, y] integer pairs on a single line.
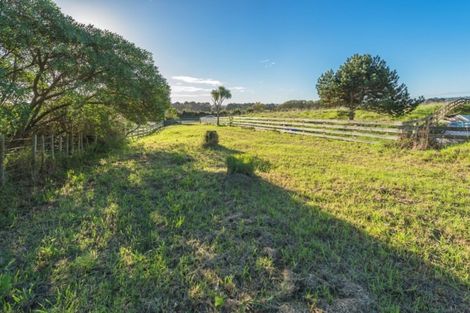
[[443, 99], [251, 106], [300, 105], [59, 75], [196, 109], [192, 106]]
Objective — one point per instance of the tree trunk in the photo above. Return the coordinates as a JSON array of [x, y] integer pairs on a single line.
[[218, 110], [352, 107], [351, 114]]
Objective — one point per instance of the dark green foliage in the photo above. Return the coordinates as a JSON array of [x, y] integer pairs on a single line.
[[299, 105], [258, 107], [236, 108], [365, 82], [241, 164], [211, 138], [193, 106], [192, 109], [51, 67], [5, 284]]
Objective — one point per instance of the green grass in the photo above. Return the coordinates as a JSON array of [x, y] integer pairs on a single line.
[[421, 111], [160, 227]]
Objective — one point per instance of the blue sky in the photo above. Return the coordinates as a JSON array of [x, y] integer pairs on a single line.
[[273, 51]]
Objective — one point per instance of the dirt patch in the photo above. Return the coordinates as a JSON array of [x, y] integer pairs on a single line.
[[347, 296], [272, 253], [288, 285], [294, 307], [352, 298]]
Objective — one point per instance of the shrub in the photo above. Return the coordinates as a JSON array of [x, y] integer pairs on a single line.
[[241, 164], [211, 138]]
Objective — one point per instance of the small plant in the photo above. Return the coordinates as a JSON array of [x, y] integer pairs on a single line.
[[219, 301], [211, 138], [241, 164]]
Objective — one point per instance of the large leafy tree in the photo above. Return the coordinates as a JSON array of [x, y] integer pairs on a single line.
[[50, 65], [219, 95], [364, 81]]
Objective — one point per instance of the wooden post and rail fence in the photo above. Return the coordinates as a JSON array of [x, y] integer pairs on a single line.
[[36, 150], [420, 133], [143, 130]]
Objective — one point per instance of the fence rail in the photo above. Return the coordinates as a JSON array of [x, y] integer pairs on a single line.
[[144, 130], [27, 157], [425, 133], [20, 157], [359, 131]]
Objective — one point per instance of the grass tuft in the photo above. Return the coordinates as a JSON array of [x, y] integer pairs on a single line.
[[240, 164], [211, 139]]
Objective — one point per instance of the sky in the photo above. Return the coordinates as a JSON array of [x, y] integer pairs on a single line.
[[274, 51]]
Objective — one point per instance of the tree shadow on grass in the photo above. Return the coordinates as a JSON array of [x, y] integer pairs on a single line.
[[152, 233], [222, 150]]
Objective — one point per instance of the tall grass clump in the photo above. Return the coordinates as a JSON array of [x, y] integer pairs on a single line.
[[211, 139], [241, 164]]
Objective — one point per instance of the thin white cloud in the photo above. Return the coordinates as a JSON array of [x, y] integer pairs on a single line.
[[238, 88], [177, 95], [190, 89], [267, 63], [196, 80]]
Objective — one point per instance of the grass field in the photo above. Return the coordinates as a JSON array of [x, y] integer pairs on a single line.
[[324, 225], [421, 111]]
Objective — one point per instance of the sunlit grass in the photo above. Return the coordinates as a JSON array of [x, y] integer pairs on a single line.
[[421, 111], [159, 226]]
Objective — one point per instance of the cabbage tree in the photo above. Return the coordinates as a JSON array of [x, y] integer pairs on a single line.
[[219, 95]]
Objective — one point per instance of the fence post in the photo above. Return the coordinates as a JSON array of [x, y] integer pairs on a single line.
[[2, 160], [33, 151], [52, 147]]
